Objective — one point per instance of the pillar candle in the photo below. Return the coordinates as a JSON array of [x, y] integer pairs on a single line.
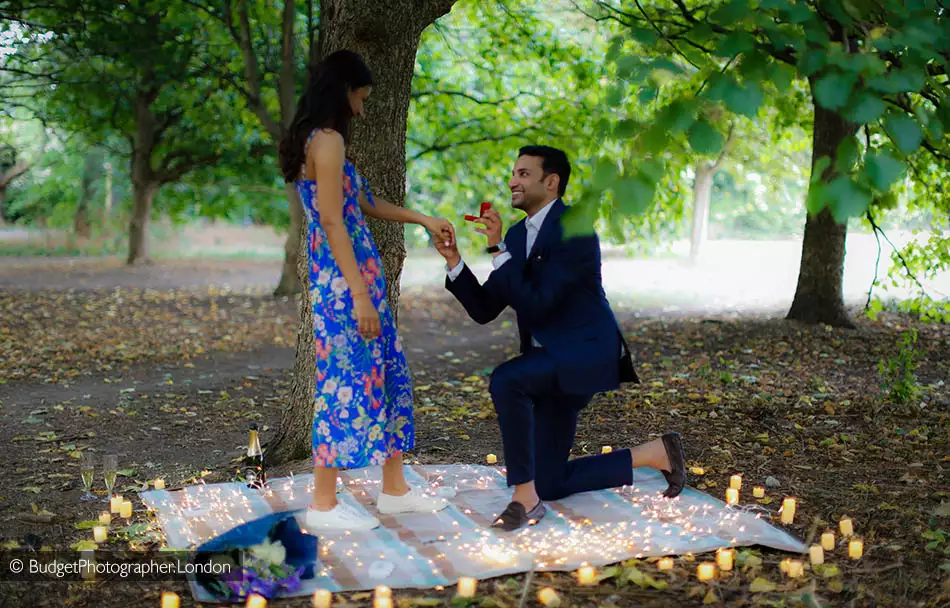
[[796, 568], [855, 548], [169, 599], [788, 510], [735, 482], [105, 518], [816, 554], [383, 602], [586, 575], [125, 509], [159, 484], [383, 591], [724, 559], [99, 534], [847, 526], [828, 541], [467, 586], [732, 496], [706, 571], [665, 564], [548, 597], [256, 601], [322, 599], [491, 459], [758, 492], [114, 503]]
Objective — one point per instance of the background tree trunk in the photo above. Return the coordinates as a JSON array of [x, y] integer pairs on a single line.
[[388, 40], [819, 294], [143, 193], [81, 227], [702, 193]]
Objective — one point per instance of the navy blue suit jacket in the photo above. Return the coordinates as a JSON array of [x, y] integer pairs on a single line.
[[558, 296]]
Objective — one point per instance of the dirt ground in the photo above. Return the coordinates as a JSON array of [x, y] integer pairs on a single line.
[[167, 365]]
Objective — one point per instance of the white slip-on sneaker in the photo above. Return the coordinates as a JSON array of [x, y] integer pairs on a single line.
[[340, 517], [414, 501]]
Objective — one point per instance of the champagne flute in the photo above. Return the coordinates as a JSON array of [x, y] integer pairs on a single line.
[[110, 467], [86, 469]]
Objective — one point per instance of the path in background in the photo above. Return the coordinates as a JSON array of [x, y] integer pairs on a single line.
[[732, 277]]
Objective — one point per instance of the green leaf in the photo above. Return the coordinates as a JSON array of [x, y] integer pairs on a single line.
[[83, 545], [88, 524], [626, 128], [847, 155], [744, 100], [628, 65], [846, 199], [605, 173], [883, 170], [579, 218], [905, 131], [815, 200], [737, 42], [633, 195], [705, 138], [898, 81], [832, 91], [867, 108], [819, 168]]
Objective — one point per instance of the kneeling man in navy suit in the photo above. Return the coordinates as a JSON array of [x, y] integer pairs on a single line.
[[571, 346]]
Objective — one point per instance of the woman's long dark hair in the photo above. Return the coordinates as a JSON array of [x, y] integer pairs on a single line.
[[324, 105]]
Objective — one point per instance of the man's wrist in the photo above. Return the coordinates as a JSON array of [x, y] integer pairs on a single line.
[[454, 261]]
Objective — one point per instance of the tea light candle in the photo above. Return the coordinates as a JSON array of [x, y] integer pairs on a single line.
[[169, 599], [735, 482], [125, 510], [706, 571], [796, 569], [114, 503], [847, 526], [99, 534], [105, 518], [606, 449], [783, 565], [322, 599], [665, 564], [256, 601], [586, 575], [548, 597], [816, 554], [788, 510], [758, 492], [828, 541], [732, 496], [466, 586], [724, 559], [855, 548], [159, 484], [491, 459]]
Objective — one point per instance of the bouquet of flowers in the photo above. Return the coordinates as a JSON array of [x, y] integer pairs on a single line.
[[269, 556]]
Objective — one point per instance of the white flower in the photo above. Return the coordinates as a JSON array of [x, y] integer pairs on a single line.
[[270, 552]]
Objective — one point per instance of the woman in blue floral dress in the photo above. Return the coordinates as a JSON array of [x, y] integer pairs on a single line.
[[363, 406]]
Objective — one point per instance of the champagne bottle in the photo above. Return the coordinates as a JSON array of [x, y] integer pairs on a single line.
[[254, 461]]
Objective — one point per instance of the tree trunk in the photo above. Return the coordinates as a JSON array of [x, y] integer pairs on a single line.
[[81, 219], [3, 206], [388, 40], [289, 281], [702, 193], [819, 296], [142, 196]]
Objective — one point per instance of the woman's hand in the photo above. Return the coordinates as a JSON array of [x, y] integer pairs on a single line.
[[367, 317], [441, 230]]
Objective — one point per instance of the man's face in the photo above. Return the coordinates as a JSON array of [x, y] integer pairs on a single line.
[[529, 186]]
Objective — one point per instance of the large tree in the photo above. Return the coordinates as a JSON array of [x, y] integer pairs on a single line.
[[388, 40], [875, 70]]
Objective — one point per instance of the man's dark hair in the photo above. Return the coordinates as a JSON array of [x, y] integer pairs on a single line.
[[552, 161]]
